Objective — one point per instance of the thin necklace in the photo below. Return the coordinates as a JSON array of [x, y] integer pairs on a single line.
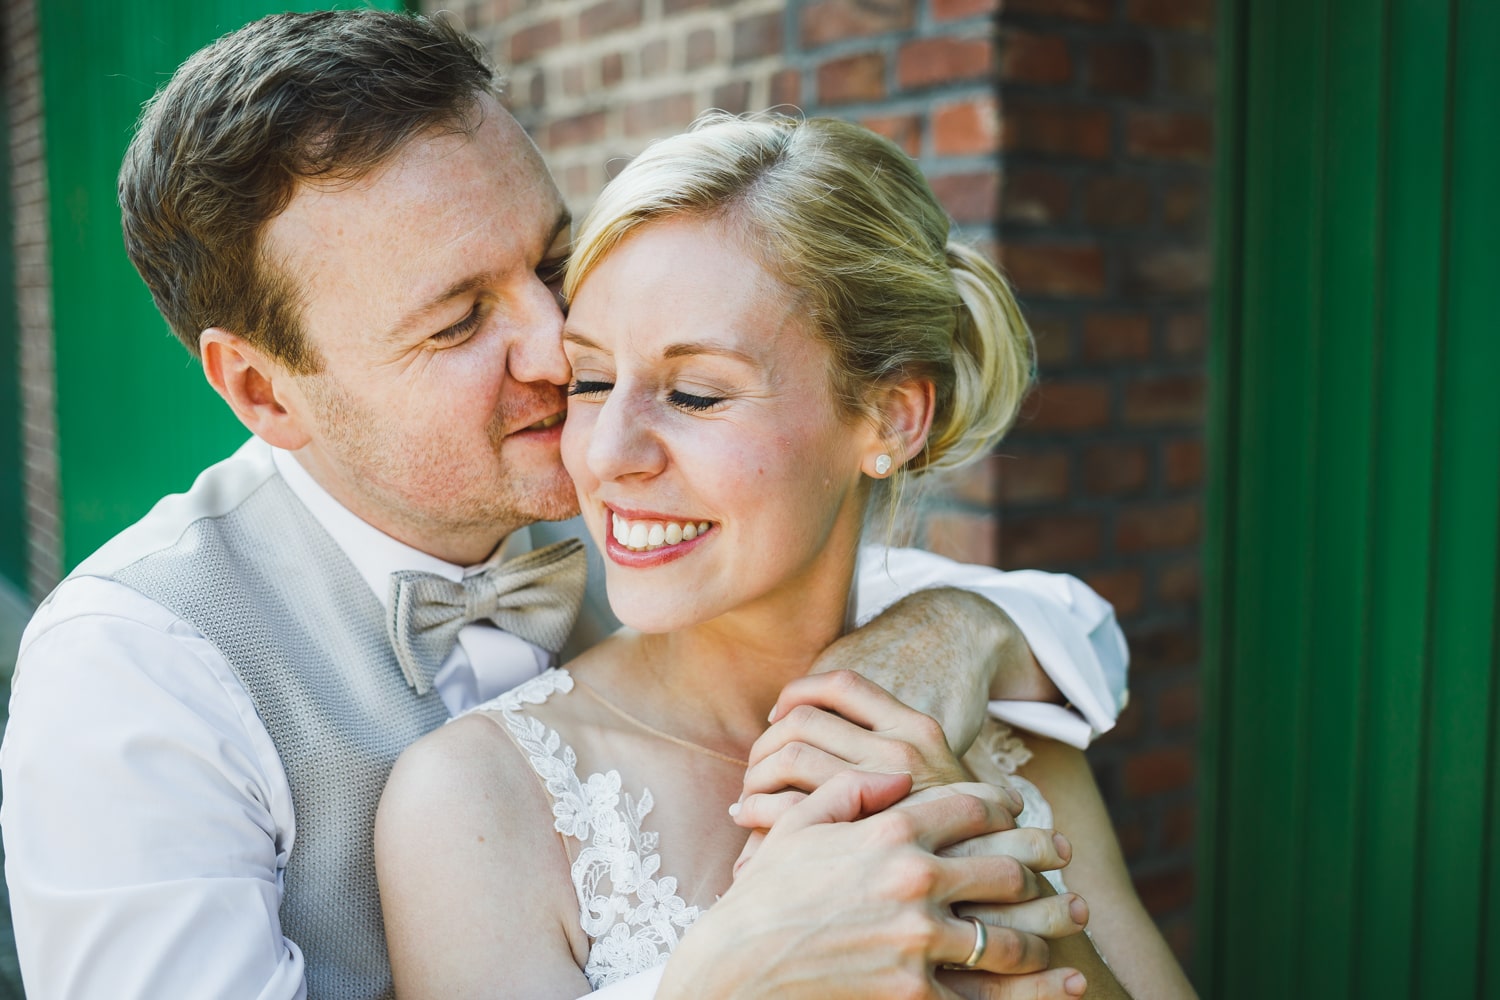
[[686, 744]]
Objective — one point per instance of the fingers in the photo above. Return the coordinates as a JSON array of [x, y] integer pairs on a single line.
[[797, 765], [816, 727], [990, 879], [1049, 917], [973, 943], [856, 698], [1053, 984], [763, 811], [849, 796], [752, 844], [1037, 849], [936, 822]]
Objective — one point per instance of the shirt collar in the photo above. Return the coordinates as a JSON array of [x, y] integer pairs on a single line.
[[375, 554]]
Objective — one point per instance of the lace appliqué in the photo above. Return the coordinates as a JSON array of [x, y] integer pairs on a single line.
[[995, 756], [632, 917]]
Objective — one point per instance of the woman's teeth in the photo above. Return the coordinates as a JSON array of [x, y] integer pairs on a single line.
[[643, 536]]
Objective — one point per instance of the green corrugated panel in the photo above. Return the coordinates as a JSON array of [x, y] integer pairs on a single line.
[[135, 417], [1354, 537], [12, 500], [1462, 596], [1337, 561]]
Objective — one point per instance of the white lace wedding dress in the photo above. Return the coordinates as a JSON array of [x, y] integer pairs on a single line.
[[614, 830]]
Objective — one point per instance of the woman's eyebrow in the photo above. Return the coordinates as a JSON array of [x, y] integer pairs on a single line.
[[572, 336], [693, 348]]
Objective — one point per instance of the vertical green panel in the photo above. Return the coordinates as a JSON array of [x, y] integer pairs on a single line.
[[135, 417], [1221, 489], [1466, 541], [12, 500], [1354, 568], [1281, 303], [1341, 431], [1401, 540]]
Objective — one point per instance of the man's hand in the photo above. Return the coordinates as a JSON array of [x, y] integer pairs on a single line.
[[946, 653], [841, 903]]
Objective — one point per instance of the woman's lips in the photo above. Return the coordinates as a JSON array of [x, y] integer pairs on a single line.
[[647, 541]]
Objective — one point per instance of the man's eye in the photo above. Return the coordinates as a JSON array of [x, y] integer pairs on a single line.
[[463, 327], [579, 387], [688, 401], [551, 271]]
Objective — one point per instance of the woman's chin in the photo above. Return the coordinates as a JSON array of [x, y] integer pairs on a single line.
[[655, 611]]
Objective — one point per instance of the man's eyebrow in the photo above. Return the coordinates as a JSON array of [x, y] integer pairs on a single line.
[[463, 286], [470, 283]]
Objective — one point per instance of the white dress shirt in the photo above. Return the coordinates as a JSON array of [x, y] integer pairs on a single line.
[[146, 814]]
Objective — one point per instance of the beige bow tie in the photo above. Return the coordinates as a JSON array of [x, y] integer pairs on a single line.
[[535, 596]]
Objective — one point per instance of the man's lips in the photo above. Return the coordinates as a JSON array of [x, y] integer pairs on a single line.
[[545, 424]]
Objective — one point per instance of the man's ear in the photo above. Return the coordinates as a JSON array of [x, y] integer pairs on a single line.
[[256, 386]]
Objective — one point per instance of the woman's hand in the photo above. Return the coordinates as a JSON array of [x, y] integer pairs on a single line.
[[826, 723], [771, 935]]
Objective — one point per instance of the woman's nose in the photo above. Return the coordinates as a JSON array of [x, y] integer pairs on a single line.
[[625, 441]]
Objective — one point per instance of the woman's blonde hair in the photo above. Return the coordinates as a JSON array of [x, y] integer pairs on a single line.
[[843, 218]]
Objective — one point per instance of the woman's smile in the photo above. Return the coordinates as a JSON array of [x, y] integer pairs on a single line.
[[639, 539]]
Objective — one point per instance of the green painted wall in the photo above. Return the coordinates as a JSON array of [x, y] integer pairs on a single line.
[[12, 499], [136, 419], [1352, 807]]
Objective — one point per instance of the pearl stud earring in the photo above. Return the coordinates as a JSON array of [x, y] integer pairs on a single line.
[[882, 465]]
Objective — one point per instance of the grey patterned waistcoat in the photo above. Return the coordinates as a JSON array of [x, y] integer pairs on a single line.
[[306, 637]]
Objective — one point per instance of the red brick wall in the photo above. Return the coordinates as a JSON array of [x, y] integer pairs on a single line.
[[28, 194], [1107, 142], [1101, 113]]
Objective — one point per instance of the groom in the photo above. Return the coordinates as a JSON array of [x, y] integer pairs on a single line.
[[205, 711]]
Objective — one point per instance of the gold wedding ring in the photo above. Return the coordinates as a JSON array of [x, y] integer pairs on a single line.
[[981, 938]]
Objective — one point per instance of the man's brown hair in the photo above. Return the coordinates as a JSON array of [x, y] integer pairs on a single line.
[[220, 150]]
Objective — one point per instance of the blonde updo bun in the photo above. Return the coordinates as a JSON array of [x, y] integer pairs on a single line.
[[846, 221]]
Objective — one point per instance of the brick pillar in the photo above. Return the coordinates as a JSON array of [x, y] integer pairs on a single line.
[[594, 81], [28, 194], [1107, 138]]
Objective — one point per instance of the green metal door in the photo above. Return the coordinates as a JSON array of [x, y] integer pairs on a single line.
[[12, 500], [1352, 800], [135, 417]]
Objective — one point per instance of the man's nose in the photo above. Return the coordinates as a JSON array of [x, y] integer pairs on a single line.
[[536, 353]]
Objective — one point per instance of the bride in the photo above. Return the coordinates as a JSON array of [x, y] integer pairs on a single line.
[[770, 335]]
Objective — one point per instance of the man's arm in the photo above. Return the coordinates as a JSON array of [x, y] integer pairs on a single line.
[[1034, 641], [141, 830]]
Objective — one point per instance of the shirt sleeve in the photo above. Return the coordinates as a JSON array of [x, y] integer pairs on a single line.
[[1071, 630], [145, 826]]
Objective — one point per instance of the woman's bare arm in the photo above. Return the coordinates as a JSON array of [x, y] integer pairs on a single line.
[[474, 881], [1122, 930]]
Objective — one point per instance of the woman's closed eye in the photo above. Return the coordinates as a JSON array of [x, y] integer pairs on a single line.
[[588, 387], [691, 401], [682, 400]]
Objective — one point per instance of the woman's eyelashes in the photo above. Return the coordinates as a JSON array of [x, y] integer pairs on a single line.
[[694, 402], [588, 387], [689, 401]]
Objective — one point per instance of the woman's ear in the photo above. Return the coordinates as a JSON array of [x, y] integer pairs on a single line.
[[255, 385], [905, 410]]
